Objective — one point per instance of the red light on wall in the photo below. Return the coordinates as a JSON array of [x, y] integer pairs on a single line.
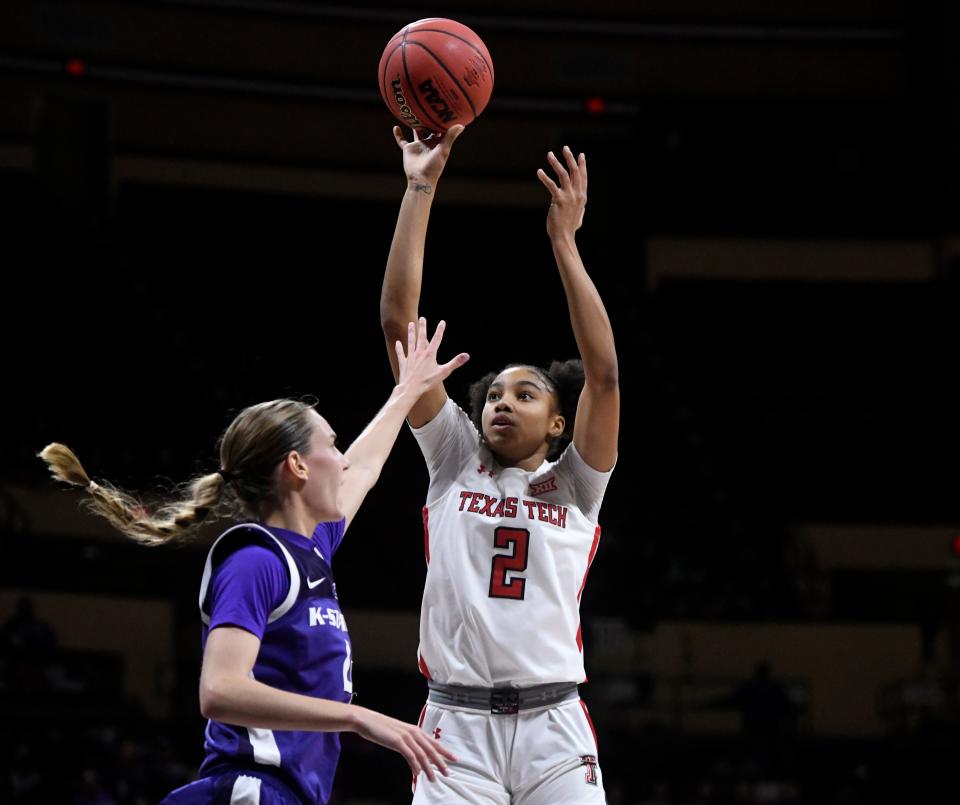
[[75, 67], [955, 544], [595, 105]]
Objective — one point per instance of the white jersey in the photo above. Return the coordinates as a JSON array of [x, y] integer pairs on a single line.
[[507, 552]]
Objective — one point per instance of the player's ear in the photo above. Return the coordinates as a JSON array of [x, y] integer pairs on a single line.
[[557, 425], [294, 466]]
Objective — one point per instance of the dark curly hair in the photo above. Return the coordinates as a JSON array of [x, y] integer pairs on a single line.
[[564, 379]]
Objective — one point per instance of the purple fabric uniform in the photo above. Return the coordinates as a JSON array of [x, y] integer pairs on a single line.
[[278, 585], [223, 789]]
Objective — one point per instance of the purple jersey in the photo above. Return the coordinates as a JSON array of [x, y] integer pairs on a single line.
[[278, 585]]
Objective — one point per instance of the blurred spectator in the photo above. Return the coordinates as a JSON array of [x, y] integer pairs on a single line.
[[25, 633], [766, 711]]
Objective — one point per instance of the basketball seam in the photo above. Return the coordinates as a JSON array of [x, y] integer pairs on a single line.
[[386, 64], [467, 42], [453, 78], [406, 72]]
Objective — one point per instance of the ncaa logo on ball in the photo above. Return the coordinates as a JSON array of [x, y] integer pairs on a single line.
[[405, 111], [437, 102]]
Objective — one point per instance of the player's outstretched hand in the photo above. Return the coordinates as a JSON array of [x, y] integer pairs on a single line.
[[569, 199], [418, 367], [421, 752], [423, 160]]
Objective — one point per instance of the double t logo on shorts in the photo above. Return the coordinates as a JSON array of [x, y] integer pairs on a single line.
[[591, 763]]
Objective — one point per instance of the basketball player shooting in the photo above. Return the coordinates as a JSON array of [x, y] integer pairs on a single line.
[[510, 523]]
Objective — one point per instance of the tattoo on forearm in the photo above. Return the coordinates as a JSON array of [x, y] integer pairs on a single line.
[[426, 189]]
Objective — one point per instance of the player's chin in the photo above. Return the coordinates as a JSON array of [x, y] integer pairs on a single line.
[[510, 447]]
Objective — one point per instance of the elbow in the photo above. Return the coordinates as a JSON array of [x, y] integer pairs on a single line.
[[391, 326], [387, 314], [394, 325], [393, 316], [214, 698], [607, 380], [397, 310], [610, 381]]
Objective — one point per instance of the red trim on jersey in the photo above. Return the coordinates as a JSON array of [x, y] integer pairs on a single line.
[[426, 535], [593, 552], [423, 667], [426, 552], [580, 647], [586, 712]]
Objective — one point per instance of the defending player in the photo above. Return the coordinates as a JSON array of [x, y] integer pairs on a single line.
[[276, 676]]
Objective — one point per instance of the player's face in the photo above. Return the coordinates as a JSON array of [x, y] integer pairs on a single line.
[[520, 415], [326, 465]]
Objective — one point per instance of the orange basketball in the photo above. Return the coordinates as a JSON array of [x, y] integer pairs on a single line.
[[434, 74]]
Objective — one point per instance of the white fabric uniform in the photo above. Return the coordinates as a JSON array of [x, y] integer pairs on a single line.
[[508, 552], [546, 756]]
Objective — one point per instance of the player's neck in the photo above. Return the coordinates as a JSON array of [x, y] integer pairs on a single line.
[[529, 464], [290, 518]]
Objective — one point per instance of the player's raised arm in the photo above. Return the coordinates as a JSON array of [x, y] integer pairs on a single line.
[[423, 162], [597, 423], [419, 372]]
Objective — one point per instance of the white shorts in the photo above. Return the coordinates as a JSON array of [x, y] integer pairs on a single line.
[[544, 756]]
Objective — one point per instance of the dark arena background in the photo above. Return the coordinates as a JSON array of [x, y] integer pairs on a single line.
[[196, 202]]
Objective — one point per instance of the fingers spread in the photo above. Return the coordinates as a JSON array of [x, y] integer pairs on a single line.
[[420, 753], [438, 335], [446, 752], [447, 369], [547, 182], [558, 169], [422, 333], [577, 174], [411, 759], [431, 757], [437, 753]]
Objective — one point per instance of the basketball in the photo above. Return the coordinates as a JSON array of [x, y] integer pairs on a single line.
[[434, 74]]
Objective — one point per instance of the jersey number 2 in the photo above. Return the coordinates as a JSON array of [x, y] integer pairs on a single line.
[[517, 540]]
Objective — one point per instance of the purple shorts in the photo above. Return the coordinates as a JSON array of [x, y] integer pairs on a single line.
[[233, 788]]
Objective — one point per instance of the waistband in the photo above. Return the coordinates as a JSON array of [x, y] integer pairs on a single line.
[[502, 701]]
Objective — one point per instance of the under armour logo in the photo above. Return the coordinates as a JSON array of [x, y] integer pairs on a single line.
[[483, 470], [591, 763], [436, 733]]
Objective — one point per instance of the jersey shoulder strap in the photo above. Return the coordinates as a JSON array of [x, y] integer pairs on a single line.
[[246, 530]]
